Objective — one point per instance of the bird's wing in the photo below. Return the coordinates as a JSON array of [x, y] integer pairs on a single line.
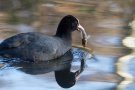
[[46, 47]]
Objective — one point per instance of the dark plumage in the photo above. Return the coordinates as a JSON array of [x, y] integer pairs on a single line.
[[34, 46]]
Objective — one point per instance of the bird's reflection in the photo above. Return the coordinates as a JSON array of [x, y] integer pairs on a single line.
[[61, 66]]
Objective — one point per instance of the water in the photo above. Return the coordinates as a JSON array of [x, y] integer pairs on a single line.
[[109, 53]]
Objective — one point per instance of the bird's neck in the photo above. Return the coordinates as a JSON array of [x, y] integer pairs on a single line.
[[64, 34]]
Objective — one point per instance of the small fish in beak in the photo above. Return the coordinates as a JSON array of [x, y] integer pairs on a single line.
[[84, 36]]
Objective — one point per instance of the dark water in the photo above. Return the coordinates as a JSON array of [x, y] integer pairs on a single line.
[[109, 54]]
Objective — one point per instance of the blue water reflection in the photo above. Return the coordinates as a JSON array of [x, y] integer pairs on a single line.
[[95, 67], [17, 80], [130, 86]]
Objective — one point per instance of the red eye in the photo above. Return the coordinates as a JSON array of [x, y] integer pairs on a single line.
[[76, 22]]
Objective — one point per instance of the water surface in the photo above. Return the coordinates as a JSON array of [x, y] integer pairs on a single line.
[[111, 45]]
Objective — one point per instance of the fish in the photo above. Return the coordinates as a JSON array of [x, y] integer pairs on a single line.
[[84, 36]]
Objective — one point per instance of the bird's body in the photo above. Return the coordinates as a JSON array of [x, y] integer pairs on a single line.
[[34, 46]]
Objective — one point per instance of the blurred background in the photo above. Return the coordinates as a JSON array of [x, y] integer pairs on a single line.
[[111, 24]]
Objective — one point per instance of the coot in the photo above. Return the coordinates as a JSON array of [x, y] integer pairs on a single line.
[[35, 46]]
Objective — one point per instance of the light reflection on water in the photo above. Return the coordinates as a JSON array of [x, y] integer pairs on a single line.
[[128, 61], [104, 21]]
